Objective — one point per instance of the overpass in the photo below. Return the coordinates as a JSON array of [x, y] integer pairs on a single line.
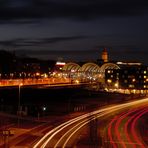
[[33, 82]]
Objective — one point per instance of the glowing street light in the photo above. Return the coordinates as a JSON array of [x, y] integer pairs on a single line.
[[77, 81], [133, 80], [109, 81], [117, 85], [44, 108]]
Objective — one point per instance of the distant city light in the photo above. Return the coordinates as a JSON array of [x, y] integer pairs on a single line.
[[133, 80], [21, 84], [124, 63], [44, 108], [37, 74], [60, 63], [134, 91], [116, 85], [109, 80], [108, 71], [77, 81]]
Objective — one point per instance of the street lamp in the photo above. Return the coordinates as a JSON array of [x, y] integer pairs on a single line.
[[18, 112], [19, 97], [117, 85]]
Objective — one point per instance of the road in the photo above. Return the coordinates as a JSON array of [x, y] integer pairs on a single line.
[[120, 124], [111, 126], [123, 131]]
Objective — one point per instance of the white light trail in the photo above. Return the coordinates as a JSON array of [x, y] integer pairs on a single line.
[[47, 138]]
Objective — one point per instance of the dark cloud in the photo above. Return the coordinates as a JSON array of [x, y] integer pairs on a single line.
[[37, 42], [12, 21], [53, 52], [88, 55], [79, 9]]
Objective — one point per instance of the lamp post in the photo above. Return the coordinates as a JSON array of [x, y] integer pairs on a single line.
[[18, 112], [19, 96]]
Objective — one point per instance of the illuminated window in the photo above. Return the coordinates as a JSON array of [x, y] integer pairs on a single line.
[[116, 85], [144, 72], [134, 91], [37, 74], [108, 71], [144, 77], [112, 76], [131, 86], [109, 80], [133, 80], [125, 81]]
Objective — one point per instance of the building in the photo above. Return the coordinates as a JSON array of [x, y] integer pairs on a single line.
[[132, 77], [104, 55]]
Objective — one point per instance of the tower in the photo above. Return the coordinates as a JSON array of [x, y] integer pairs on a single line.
[[104, 55]]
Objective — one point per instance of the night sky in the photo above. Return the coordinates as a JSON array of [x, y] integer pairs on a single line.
[[75, 29]]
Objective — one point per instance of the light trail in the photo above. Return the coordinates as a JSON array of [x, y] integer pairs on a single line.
[[53, 130], [133, 128], [68, 123], [74, 133], [69, 132], [109, 130], [117, 120], [48, 137], [120, 119], [126, 127], [64, 145], [59, 130]]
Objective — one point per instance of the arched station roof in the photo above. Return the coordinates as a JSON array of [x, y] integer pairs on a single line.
[[89, 67], [71, 67], [109, 66]]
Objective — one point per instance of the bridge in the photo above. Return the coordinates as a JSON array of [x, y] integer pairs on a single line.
[[33, 81]]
